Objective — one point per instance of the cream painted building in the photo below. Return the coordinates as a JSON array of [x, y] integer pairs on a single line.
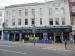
[[51, 18], [1, 22]]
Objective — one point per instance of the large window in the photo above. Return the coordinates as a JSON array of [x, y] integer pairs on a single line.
[[50, 11], [51, 21], [19, 21], [63, 21], [33, 13], [57, 21], [72, 0], [73, 9], [33, 22], [73, 21], [40, 11], [40, 21], [7, 13], [63, 10], [26, 12], [57, 11], [13, 12], [26, 21], [13, 22], [20, 12]]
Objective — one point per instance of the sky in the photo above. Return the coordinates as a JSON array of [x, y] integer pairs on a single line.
[[12, 2]]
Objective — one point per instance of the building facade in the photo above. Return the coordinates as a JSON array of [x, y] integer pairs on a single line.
[[1, 22], [51, 20], [72, 16]]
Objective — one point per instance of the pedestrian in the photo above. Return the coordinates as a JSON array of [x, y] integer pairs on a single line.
[[65, 44]]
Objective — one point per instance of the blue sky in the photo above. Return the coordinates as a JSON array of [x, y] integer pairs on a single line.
[[11, 2]]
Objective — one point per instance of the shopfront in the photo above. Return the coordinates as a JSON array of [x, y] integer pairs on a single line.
[[44, 34]]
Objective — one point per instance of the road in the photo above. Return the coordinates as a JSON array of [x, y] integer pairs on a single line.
[[8, 49]]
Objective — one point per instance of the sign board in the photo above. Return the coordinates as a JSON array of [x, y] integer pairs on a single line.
[[45, 36]]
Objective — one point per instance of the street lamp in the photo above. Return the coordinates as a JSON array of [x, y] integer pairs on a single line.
[[33, 30]]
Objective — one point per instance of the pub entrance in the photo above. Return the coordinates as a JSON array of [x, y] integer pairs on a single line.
[[11, 36], [58, 38]]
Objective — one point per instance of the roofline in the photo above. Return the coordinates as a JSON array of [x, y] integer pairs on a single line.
[[28, 4]]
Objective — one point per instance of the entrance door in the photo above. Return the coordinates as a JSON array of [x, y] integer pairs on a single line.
[[17, 37], [11, 37], [58, 39]]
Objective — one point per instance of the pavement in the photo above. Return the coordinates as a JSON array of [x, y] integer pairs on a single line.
[[56, 46], [28, 49]]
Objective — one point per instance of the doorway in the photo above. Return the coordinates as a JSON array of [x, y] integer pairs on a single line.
[[17, 37], [58, 39], [11, 37]]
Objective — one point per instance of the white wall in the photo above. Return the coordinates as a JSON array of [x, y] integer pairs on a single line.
[[45, 15], [1, 17]]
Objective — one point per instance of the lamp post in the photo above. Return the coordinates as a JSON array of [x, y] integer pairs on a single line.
[[34, 33], [33, 30]]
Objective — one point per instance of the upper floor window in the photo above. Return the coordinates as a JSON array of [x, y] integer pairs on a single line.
[[13, 22], [33, 13], [63, 10], [57, 21], [51, 21], [73, 21], [26, 12], [40, 11], [50, 11], [7, 13], [0, 14], [57, 11], [26, 21], [33, 22], [20, 12], [73, 8], [19, 21], [13, 12], [40, 21], [63, 21], [72, 0]]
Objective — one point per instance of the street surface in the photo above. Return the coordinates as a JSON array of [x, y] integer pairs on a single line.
[[10, 49]]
